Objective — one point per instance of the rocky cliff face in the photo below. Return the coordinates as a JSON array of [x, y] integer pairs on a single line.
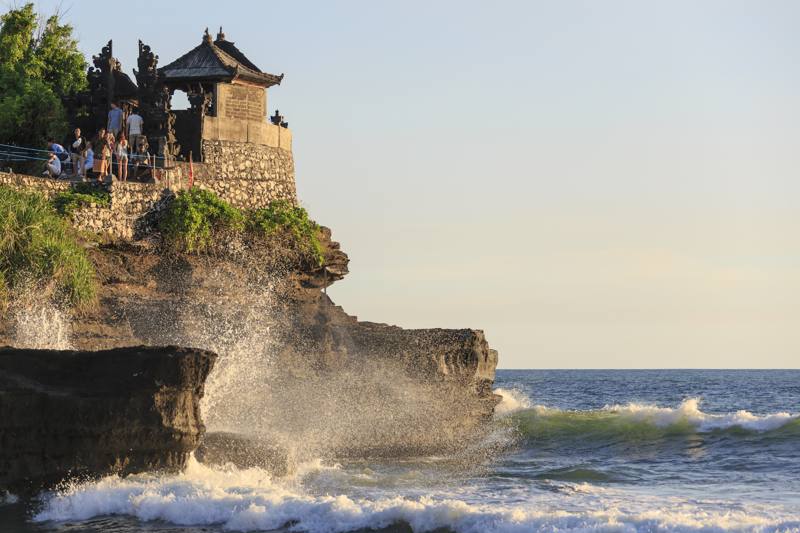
[[91, 413], [295, 371]]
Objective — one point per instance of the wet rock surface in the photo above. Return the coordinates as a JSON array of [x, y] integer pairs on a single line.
[[79, 413]]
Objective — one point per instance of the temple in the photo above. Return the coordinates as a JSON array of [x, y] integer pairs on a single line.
[[224, 142], [228, 96], [236, 150]]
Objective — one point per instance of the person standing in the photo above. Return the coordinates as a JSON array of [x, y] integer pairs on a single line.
[[88, 161], [114, 119], [108, 155], [76, 150], [122, 157], [135, 125]]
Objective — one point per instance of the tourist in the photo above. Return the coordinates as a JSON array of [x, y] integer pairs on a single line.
[[76, 150], [141, 159], [53, 166], [98, 147], [135, 124], [105, 151], [57, 149], [114, 119], [121, 153], [88, 161]]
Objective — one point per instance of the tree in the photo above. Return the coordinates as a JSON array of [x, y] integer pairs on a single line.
[[39, 65], [61, 65], [17, 36]]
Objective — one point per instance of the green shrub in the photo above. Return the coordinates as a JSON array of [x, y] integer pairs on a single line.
[[83, 194], [39, 247], [283, 216], [195, 216], [197, 219]]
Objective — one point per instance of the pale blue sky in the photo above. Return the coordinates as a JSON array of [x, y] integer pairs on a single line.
[[594, 184]]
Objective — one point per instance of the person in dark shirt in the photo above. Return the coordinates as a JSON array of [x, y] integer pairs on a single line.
[[115, 117], [76, 148]]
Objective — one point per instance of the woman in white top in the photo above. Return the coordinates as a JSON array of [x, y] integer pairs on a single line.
[[88, 160], [122, 157]]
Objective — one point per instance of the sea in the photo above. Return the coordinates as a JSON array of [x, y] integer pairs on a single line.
[[567, 451]]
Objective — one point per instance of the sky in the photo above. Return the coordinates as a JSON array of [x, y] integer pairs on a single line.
[[594, 184]]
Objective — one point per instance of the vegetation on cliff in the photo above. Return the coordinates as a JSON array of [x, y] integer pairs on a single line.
[[39, 64], [39, 250], [83, 194], [281, 216], [198, 219]]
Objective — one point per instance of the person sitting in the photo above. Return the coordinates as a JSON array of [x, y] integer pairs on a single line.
[[141, 159], [57, 149], [53, 166]]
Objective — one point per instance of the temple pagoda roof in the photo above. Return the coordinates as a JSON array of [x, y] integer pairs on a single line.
[[217, 60]]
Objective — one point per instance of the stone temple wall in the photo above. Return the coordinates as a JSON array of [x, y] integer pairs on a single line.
[[46, 186], [246, 175], [130, 215]]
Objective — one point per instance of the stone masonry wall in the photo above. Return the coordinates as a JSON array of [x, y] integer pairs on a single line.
[[133, 209], [246, 175], [132, 214], [46, 186]]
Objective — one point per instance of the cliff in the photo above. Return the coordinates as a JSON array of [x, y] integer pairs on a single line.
[[92, 413], [296, 375]]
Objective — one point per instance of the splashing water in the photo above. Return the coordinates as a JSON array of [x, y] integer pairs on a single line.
[[635, 465], [513, 401], [41, 326]]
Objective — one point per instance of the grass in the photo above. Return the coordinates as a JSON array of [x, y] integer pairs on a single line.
[[39, 249], [197, 220], [82, 195]]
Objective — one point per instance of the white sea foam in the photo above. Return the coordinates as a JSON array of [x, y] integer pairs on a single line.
[[688, 412], [513, 401], [250, 500]]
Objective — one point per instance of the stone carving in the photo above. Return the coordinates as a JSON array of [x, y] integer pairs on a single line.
[[101, 83], [200, 99], [277, 119], [155, 104]]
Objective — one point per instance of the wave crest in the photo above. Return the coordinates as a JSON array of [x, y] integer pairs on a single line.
[[642, 420], [248, 500]]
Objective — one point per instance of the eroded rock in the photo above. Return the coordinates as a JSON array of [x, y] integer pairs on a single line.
[[84, 413]]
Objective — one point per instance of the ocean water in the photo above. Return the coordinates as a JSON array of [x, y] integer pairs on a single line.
[[568, 451]]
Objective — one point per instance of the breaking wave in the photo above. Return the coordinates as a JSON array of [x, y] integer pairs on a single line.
[[513, 401], [249, 500], [635, 420]]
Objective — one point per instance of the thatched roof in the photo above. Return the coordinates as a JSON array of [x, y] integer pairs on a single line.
[[217, 60]]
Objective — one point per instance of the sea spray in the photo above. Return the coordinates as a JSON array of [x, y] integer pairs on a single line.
[[285, 378], [513, 400], [41, 325]]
